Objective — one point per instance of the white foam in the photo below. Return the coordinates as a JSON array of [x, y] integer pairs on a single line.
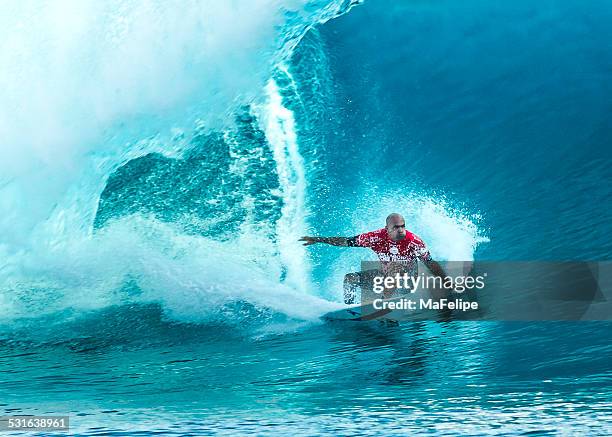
[[192, 277], [83, 83], [280, 129]]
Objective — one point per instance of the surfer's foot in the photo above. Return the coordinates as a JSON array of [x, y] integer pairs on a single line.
[[349, 296]]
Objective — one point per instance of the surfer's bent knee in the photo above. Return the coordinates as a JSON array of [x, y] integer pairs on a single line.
[[352, 278]]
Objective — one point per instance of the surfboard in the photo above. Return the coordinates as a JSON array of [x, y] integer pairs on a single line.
[[358, 313], [372, 311]]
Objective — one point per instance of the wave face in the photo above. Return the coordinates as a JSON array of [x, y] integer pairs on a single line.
[[478, 106], [160, 160]]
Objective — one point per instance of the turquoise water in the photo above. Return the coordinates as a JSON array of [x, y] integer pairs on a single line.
[[161, 161], [128, 373]]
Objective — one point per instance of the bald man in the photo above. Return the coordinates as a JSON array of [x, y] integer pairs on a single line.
[[394, 245]]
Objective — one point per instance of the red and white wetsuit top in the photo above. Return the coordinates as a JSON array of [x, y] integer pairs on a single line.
[[405, 251]]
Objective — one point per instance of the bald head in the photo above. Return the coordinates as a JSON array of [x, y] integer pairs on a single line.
[[394, 216], [396, 226]]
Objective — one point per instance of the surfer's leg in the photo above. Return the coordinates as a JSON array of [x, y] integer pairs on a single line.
[[351, 282]]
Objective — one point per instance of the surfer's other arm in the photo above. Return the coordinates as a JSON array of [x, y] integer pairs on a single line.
[[434, 267], [334, 241]]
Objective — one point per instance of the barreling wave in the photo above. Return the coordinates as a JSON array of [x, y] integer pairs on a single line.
[[173, 159]]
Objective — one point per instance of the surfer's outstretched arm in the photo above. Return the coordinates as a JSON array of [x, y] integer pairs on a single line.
[[334, 241]]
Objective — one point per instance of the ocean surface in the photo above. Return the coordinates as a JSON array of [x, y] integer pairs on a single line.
[[160, 160]]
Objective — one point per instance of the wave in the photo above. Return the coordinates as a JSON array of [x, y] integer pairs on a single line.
[[99, 84], [106, 87], [154, 171]]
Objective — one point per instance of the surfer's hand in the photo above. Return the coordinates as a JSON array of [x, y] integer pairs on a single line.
[[309, 240]]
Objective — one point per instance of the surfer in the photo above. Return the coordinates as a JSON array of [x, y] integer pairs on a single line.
[[397, 250]]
